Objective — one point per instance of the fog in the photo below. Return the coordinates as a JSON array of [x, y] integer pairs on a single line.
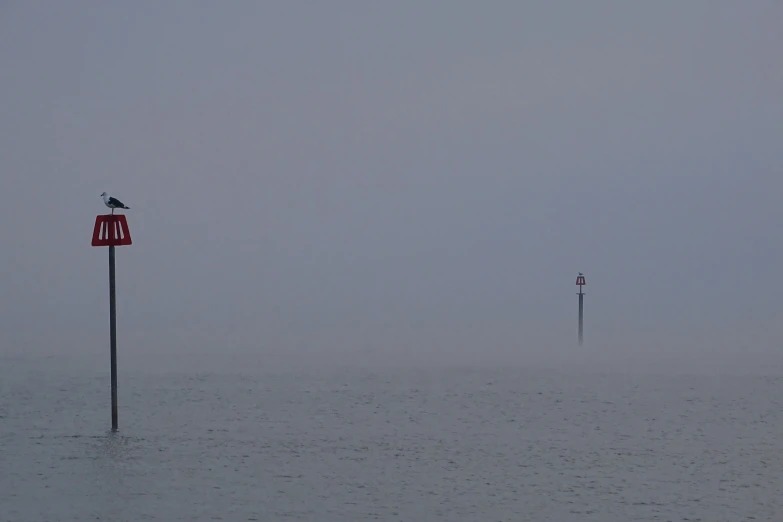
[[396, 182]]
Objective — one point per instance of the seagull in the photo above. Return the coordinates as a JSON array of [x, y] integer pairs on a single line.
[[112, 203]]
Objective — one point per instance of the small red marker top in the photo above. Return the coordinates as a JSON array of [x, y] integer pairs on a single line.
[[111, 230]]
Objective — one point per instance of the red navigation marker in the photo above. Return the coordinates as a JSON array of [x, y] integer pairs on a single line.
[[111, 230], [580, 282]]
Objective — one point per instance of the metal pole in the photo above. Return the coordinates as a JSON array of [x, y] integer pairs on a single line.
[[113, 328], [581, 314]]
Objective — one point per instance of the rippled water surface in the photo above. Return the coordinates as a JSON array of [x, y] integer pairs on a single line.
[[253, 443]]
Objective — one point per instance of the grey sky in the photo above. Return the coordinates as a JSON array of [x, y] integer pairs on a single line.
[[395, 178]]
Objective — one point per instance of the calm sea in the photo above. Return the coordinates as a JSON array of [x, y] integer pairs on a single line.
[[250, 442]]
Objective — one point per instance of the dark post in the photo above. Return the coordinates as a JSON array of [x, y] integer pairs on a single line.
[[580, 281], [581, 317], [113, 333]]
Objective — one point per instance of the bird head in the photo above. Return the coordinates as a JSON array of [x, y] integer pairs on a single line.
[[103, 194]]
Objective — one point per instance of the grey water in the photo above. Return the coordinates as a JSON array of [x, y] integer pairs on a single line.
[[243, 440]]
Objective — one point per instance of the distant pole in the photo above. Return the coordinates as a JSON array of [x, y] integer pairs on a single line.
[[113, 333], [581, 317], [112, 230], [580, 281]]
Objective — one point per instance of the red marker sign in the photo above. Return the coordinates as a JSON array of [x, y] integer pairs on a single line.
[[111, 230]]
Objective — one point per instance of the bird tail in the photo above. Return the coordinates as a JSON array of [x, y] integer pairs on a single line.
[[126, 208]]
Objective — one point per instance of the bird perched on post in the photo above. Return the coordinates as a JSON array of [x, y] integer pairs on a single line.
[[112, 203]]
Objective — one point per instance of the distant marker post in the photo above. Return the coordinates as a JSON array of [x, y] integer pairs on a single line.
[[112, 230], [580, 281]]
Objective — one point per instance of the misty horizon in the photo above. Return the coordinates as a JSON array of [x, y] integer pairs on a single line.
[[395, 182]]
